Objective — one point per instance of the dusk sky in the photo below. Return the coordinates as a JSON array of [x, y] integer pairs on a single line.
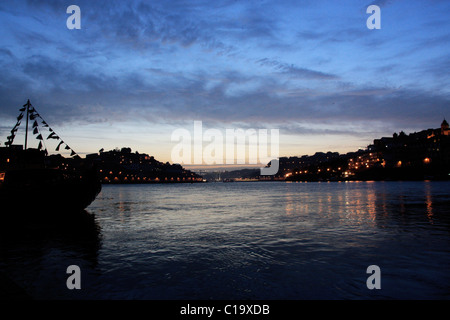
[[138, 70]]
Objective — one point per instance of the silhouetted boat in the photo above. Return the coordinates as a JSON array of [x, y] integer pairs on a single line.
[[33, 182]]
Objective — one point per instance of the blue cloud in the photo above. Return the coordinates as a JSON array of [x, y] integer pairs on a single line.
[[284, 63]]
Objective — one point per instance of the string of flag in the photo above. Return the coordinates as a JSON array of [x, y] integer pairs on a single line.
[[35, 116]]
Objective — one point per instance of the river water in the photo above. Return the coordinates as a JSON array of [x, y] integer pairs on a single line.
[[242, 240]]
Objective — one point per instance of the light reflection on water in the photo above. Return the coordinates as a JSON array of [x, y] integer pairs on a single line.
[[258, 240]]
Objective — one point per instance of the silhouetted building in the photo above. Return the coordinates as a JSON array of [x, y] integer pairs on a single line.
[[445, 131]]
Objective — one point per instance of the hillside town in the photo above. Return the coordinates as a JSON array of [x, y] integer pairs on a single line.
[[416, 156], [125, 166]]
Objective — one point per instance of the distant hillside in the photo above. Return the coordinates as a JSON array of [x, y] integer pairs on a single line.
[[124, 166], [416, 156], [231, 175]]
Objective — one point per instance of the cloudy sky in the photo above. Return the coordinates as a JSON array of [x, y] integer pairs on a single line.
[[138, 70]]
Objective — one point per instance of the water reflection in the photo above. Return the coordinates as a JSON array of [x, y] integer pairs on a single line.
[[243, 240], [429, 201], [37, 245], [349, 203], [363, 202]]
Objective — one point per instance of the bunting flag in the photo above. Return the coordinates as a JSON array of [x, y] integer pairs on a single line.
[[53, 136], [57, 148], [33, 115]]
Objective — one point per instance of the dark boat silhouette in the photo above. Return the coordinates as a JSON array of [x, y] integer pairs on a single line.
[[32, 182]]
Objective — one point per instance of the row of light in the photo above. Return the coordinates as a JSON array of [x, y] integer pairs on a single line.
[[356, 166], [155, 180]]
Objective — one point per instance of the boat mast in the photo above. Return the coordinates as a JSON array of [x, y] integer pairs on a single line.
[[26, 130]]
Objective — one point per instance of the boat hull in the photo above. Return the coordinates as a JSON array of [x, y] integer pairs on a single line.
[[48, 191]]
